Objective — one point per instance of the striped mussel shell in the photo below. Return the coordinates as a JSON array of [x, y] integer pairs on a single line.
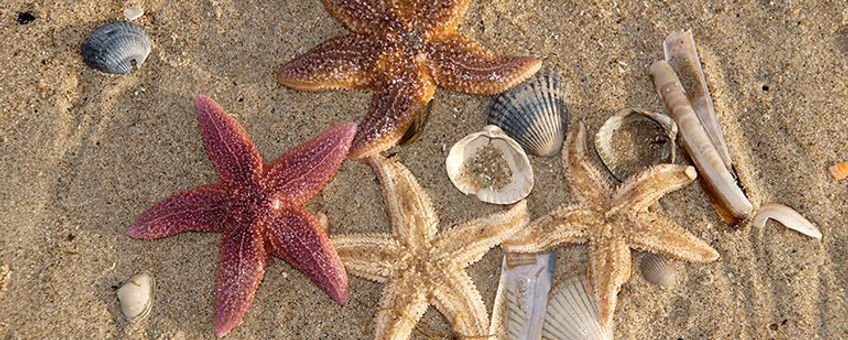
[[572, 313], [534, 114], [114, 47]]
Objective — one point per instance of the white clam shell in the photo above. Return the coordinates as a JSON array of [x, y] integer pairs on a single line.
[[136, 297], [658, 269], [616, 162], [533, 114], [521, 177], [572, 313], [114, 47], [132, 13]]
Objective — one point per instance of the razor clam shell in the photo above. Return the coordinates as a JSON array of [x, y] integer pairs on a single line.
[[522, 173], [572, 313], [609, 156], [717, 179], [524, 285], [786, 216], [136, 297], [681, 54], [112, 48], [533, 114], [658, 269]]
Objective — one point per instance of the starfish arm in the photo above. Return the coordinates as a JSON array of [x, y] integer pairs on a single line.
[[227, 144], [659, 234], [401, 306], [588, 183], [361, 16], [397, 100], [371, 256], [299, 174], [646, 188], [440, 16], [199, 209], [341, 62], [458, 299], [461, 64], [609, 269], [566, 224], [414, 221], [240, 271], [296, 237], [469, 241]]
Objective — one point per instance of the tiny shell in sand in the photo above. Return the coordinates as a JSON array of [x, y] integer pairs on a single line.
[[114, 48], [838, 171], [658, 269], [136, 297]]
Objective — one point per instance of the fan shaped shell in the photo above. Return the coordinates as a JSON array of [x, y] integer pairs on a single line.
[[658, 269], [533, 114], [114, 47], [572, 313]]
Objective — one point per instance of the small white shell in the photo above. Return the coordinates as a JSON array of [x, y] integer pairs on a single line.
[[533, 114], [658, 269], [573, 313], [112, 48], [649, 147], [461, 159], [132, 13], [136, 297]]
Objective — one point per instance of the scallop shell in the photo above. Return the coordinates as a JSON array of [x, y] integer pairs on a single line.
[[658, 269], [136, 297], [465, 153], [112, 48], [626, 148], [526, 286], [534, 114], [573, 313]]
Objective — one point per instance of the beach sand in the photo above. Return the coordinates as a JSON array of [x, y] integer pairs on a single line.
[[84, 153]]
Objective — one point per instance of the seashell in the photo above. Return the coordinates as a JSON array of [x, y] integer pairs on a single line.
[[572, 313], [526, 286], [658, 269], [633, 140], [838, 171], [490, 165], [132, 13], [414, 130], [533, 114], [136, 297], [112, 48], [786, 216]]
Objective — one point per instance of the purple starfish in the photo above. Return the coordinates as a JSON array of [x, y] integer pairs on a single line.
[[258, 208]]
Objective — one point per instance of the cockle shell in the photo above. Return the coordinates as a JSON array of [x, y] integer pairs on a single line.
[[573, 313], [499, 187], [633, 140], [112, 48], [658, 269], [136, 297], [533, 114]]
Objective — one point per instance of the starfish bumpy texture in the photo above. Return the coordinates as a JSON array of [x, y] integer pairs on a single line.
[[257, 208], [402, 50], [612, 221], [420, 265]]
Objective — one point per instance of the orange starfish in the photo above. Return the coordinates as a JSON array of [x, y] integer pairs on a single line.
[[402, 50]]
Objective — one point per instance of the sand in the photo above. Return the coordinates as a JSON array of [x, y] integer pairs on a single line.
[[84, 153]]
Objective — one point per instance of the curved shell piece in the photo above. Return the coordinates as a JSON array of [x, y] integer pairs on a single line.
[[786, 216], [633, 140], [490, 165], [658, 269], [136, 297], [112, 48], [572, 313], [533, 114], [527, 284]]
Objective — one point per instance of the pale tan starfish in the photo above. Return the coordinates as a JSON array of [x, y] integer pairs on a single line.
[[418, 264], [612, 221]]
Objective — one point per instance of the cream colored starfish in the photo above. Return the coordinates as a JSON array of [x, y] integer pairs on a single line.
[[612, 221], [418, 264]]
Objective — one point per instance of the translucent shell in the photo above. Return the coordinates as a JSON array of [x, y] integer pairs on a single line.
[[114, 47]]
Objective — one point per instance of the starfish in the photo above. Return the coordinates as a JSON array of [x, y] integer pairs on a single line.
[[401, 49], [612, 221], [257, 207], [418, 264]]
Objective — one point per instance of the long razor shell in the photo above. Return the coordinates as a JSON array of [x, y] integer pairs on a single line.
[[572, 313], [680, 53], [786, 216], [717, 178], [523, 294]]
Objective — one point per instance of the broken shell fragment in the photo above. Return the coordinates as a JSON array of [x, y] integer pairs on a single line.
[[533, 114], [136, 297], [490, 165], [525, 283], [786, 216], [132, 13], [114, 47], [838, 171], [572, 313], [658, 269], [633, 140]]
